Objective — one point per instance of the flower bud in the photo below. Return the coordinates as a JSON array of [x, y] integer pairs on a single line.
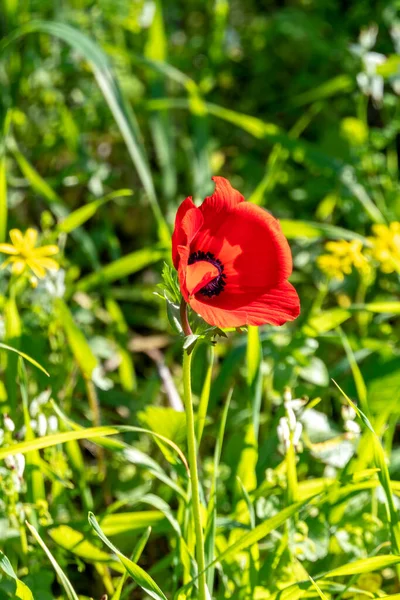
[[284, 432], [9, 423], [41, 425], [52, 424], [19, 464]]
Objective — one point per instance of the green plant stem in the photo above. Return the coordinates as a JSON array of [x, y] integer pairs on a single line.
[[194, 476], [205, 396]]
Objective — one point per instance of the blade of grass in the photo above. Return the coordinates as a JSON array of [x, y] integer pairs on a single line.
[[137, 553], [33, 472], [160, 124], [3, 178], [24, 356], [122, 267], [140, 576], [380, 460], [84, 213], [63, 579], [88, 433], [211, 527]]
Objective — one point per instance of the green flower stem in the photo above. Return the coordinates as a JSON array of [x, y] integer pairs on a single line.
[[205, 396], [194, 476]]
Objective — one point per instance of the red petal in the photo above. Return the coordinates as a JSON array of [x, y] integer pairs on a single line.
[[252, 248], [199, 274], [187, 223], [276, 307], [225, 197]]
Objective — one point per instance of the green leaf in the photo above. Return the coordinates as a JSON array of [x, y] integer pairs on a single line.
[[326, 320], [121, 523], [3, 180], [313, 231], [66, 584], [78, 343], [379, 307], [74, 541], [37, 182], [122, 267], [25, 356], [319, 591], [259, 532], [166, 422], [341, 84], [82, 434], [137, 553], [22, 592], [170, 283], [390, 67], [137, 573], [364, 565], [84, 213], [384, 477]]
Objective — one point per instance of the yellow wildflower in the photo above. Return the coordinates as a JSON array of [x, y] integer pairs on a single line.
[[23, 253], [331, 265], [343, 257], [370, 582], [386, 246]]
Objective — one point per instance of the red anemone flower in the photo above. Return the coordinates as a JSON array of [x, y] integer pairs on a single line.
[[233, 261]]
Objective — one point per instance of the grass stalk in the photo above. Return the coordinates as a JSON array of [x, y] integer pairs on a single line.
[[194, 476]]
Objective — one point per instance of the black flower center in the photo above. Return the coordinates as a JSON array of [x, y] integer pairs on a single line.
[[216, 286]]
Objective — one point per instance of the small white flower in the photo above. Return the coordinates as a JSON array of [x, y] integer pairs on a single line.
[[19, 507], [348, 412], [9, 423], [352, 427], [52, 424], [1, 436], [291, 418], [284, 432], [368, 37], [41, 425], [34, 408], [10, 462], [297, 433], [44, 397], [99, 379], [17, 482], [287, 395], [55, 283], [297, 404], [19, 464]]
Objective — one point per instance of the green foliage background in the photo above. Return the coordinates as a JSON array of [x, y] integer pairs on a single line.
[[111, 114]]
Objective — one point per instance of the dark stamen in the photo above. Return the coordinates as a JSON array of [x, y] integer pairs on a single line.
[[216, 286]]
